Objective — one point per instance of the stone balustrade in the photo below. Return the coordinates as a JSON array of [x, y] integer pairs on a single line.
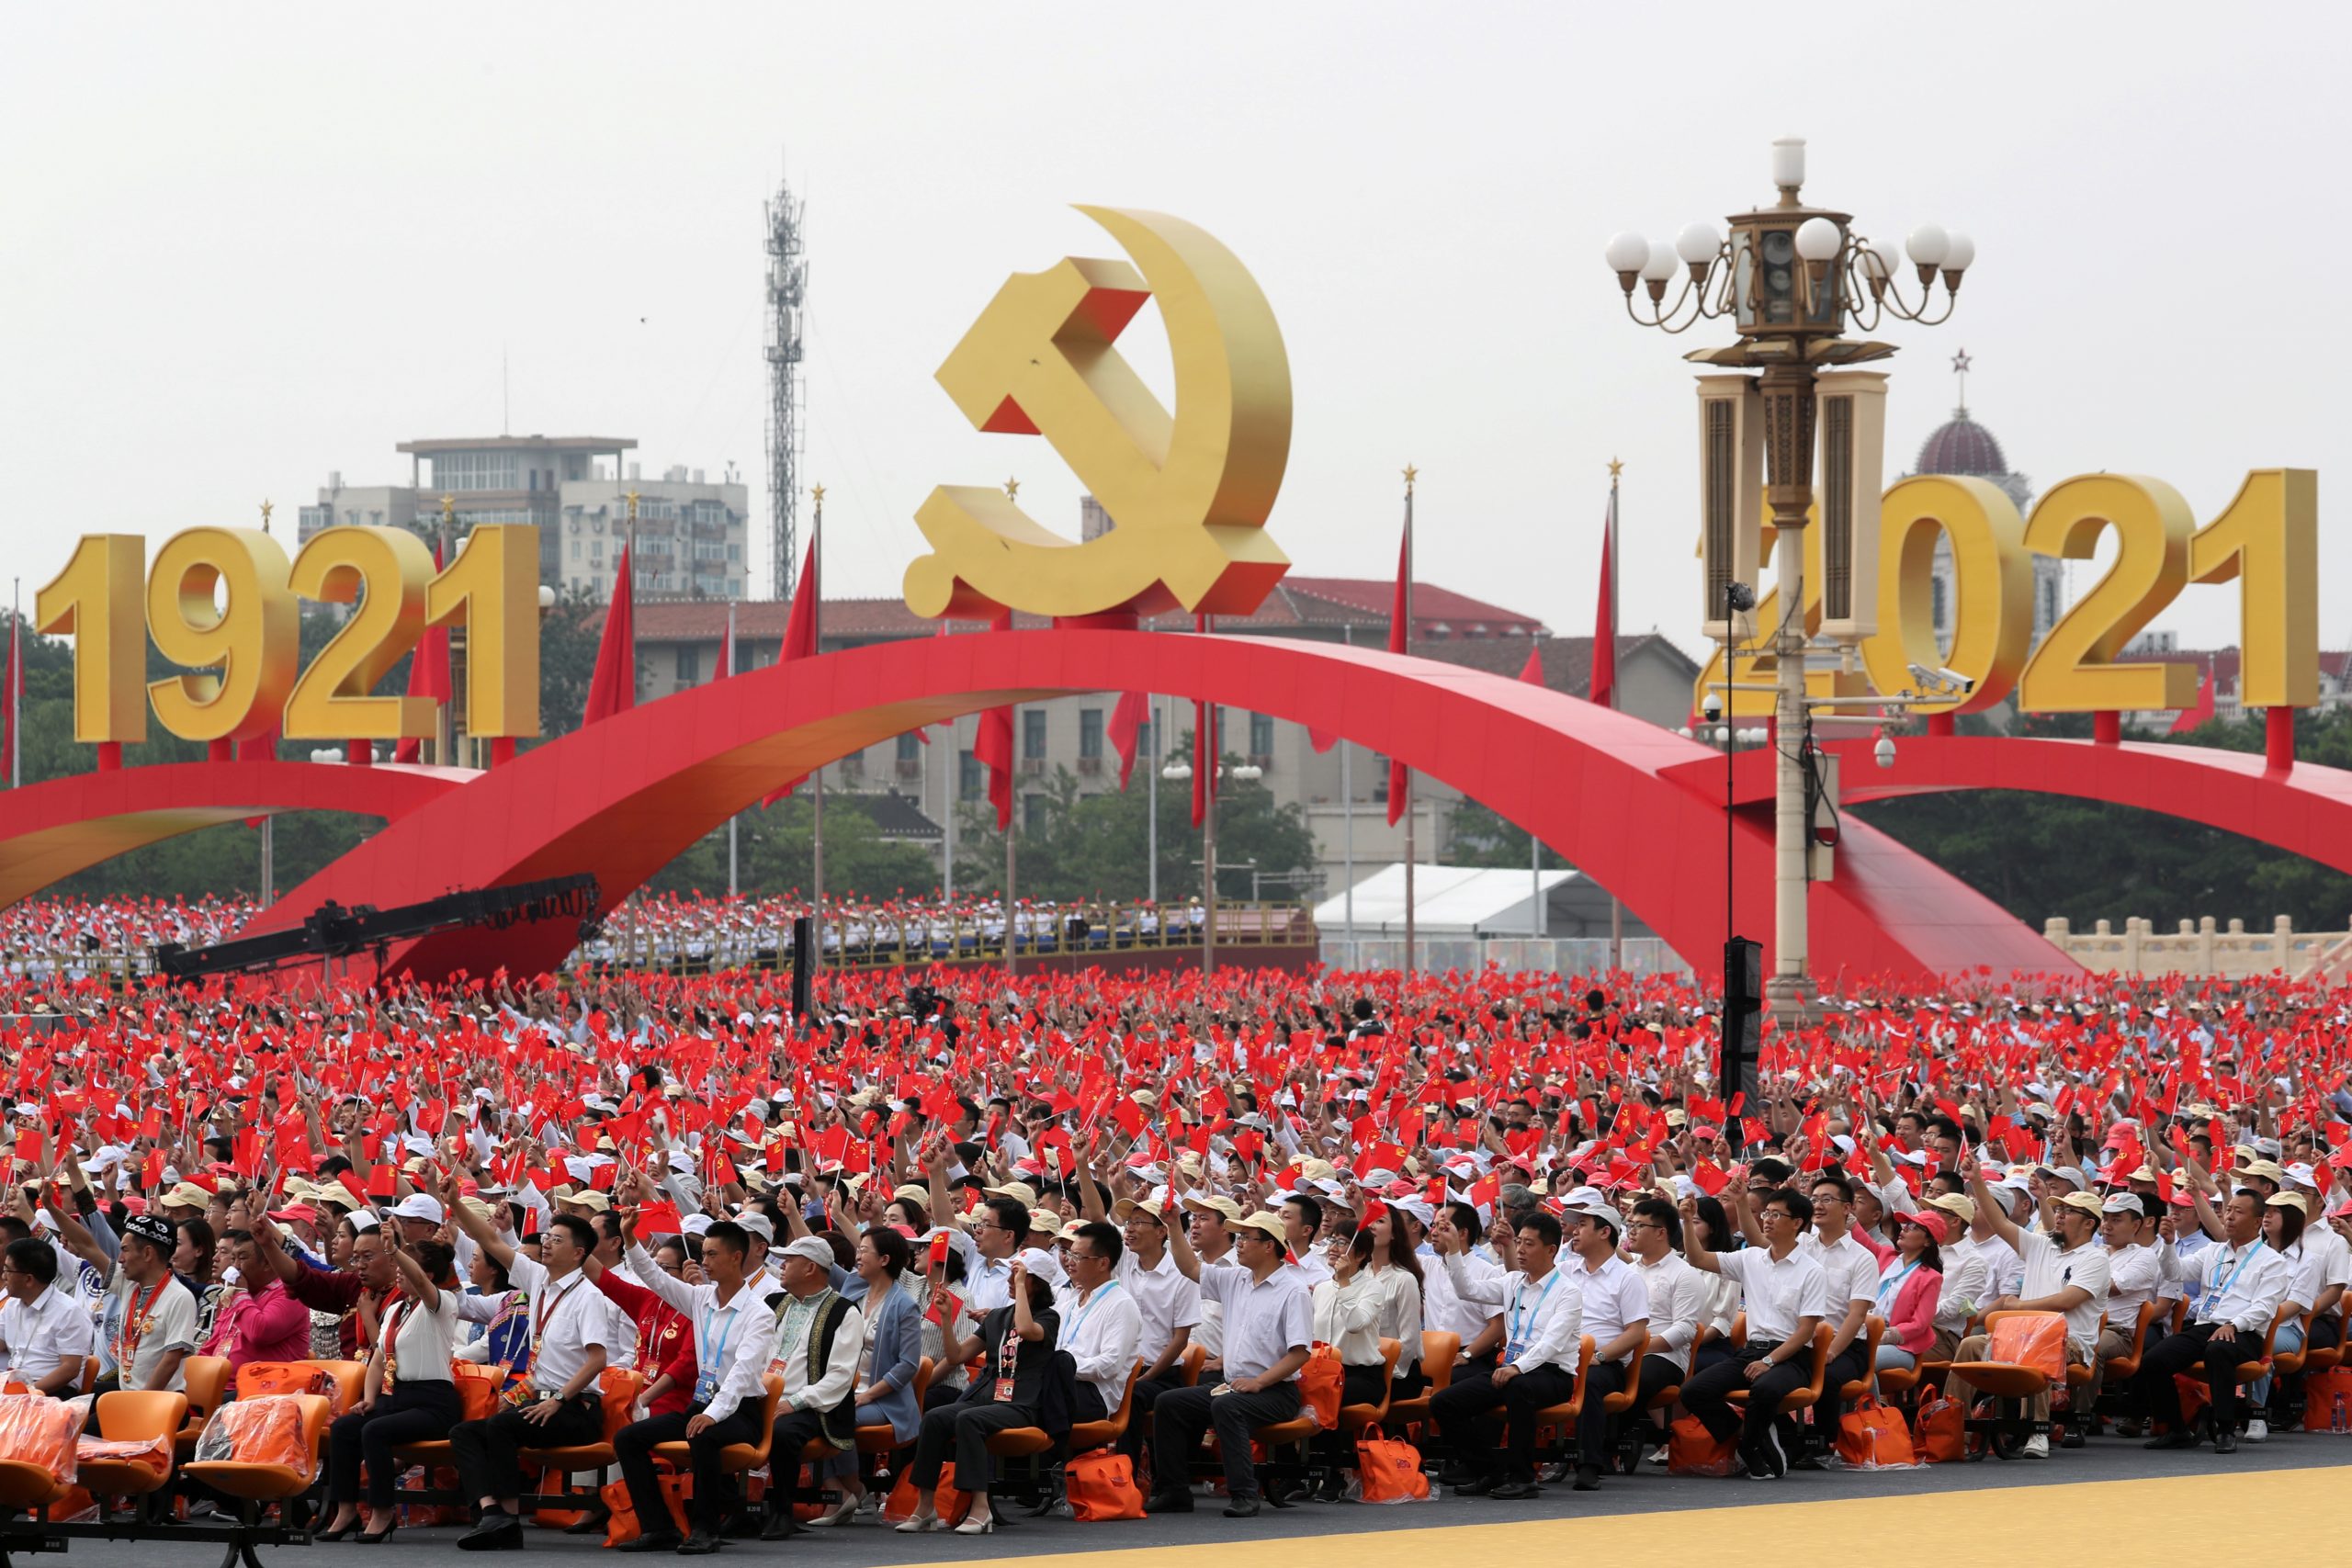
[[2204, 947]]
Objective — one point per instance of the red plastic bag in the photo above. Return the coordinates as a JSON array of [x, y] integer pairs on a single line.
[[1319, 1385], [1872, 1436], [1102, 1486], [39, 1430], [1692, 1449], [2036, 1339], [2321, 1390], [1939, 1432], [1388, 1471]]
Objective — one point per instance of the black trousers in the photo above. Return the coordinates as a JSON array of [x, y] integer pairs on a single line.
[[1147, 1394], [1358, 1385], [633, 1448], [1470, 1412], [413, 1413], [1182, 1415], [1661, 1372], [2184, 1352], [965, 1427], [1594, 1424], [1086, 1403], [795, 1430], [1703, 1395], [1842, 1370], [485, 1449]]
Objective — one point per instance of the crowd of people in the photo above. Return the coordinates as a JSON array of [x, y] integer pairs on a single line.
[[70, 939], [948, 1204]]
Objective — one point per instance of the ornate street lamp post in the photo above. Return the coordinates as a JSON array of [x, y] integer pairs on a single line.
[[1790, 279]]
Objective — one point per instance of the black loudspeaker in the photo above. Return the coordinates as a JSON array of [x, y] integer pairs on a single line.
[[1742, 1028], [803, 933]]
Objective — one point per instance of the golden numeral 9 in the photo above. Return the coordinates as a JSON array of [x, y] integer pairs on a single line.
[[242, 654]]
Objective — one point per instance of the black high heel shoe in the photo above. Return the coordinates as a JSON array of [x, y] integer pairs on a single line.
[[337, 1534], [364, 1538]]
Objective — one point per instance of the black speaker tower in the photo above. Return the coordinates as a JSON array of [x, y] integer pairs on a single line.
[[1743, 1027], [802, 934]]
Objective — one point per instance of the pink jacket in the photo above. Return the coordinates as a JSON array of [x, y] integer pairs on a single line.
[[1911, 1324], [271, 1326]]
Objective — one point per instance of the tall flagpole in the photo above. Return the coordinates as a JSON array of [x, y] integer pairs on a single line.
[[1348, 825], [1411, 963], [1616, 567], [816, 645], [1214, 761], [16, 682], [951, 789], [269, 821], [1151, 813], [727, 654], [1012, 822]]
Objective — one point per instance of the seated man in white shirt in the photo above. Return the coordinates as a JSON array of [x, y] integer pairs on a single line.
[[2065, 1272], [1787, 1296], [1542, 1320], [2129, 1232], [45, 1334], [1101, 1325], [2238, 1286]]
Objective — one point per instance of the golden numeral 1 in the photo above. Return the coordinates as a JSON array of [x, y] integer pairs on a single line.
[[241, 657], [492, 591], [95, 602], [2267, 539]]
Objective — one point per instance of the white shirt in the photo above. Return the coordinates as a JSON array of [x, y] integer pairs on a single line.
[[2335, 1254], [1779, 1291], [1165, 1301], [1965, 1284], [1265, 1319], [1443, 1308], [733, 1339], [421, 1340], [988, 1284], [1613, 1297], [2003, 1269], [790, 1357], [2241, 1285], [41, 1333], [2132, 1276], [2049, 1269], [1678, 1300], [1356, 1317], [1543, 1319], [1850, 1273], [567, 1317], [1102, 1333]]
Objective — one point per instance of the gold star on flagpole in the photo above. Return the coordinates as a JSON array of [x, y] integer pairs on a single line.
[[265, 510], [817, 494], [1012, 489], [1615, 467], [1411, 473]]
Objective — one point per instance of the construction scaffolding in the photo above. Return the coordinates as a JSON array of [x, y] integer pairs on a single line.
[[787, 283]]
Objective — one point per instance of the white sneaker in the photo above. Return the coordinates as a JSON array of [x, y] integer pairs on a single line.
[[2257, 1430], [2038, 1445]]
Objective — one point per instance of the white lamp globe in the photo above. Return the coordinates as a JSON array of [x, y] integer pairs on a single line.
[[1929, 244], [1660, 264], [1818, 240], [1959, 253], [1627, 251], [1698, 242]]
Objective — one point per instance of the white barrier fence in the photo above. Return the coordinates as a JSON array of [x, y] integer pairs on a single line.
[[2204, 948], [1541, 955]]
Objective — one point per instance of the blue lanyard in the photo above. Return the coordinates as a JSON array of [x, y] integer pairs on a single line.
[[718, 1360], [2214, 1295], [1520, 1315], [1086, 1310], [1891, 1286]]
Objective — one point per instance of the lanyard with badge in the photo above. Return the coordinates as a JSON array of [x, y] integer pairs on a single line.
[[1088, 1310], [1523, 1316], [706, 1379], [2213, 1296], [1891, 1286]]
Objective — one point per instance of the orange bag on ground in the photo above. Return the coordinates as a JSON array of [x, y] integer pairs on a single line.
[[1692, 1449], [2036, 1339], [1102, 1486], [1872, 1436], [36, 1429], [1388, 1471], [1939, 1432], [1319, 1385], [478, 1389], [2194, 1397], [2321, 1390], [259, 1431], [265, 1380], [946, 1501]]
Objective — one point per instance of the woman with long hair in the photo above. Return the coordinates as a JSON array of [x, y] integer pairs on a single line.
[[1017, 1343], [410, 1396], [1373, 1293]]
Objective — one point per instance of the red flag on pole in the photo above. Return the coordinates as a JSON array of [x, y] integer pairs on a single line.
[[1399, 614], [799, 636], [1126, 728], [613, 688], [993, 749], [2190, 718], [428, 674], [1532, 671], [1604, 617]]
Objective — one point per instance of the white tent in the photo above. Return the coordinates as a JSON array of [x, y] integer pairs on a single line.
[[1448, 900]]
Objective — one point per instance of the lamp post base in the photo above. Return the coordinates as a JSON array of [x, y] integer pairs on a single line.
[[1788, 1001]]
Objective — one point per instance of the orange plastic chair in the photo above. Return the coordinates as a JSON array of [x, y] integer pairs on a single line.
[[2288, 1363], [1562, 1418], [1087, 1436], [126, 1416], [1195, 1357], [2329, 1357], [256, 1482], [2124, 1368], [735, 1458], [617, 1390], [877, 1437], [1853, 1389], [1356, 1417], [1439, 1350], [1809, 1395], [206, 1379]]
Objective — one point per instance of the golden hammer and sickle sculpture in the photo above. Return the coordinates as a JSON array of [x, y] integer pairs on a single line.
[[1188, 494]]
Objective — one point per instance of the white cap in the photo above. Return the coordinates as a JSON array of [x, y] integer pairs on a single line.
[[811, 1248], [419, 1206]]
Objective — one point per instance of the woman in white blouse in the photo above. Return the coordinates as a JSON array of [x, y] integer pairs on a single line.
[[410, 1398], [1373, 1293]]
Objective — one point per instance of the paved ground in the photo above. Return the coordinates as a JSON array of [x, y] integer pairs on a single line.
[[2258, 1500]]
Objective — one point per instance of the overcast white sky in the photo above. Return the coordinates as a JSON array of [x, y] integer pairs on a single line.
[[241, 247]]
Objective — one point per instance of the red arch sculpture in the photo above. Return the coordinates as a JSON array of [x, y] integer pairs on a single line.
[[623, 798], [2305, 809], [51, 830]]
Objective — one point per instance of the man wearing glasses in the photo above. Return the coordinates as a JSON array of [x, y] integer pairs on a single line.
[[1786, 1297], [44, 1332]]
